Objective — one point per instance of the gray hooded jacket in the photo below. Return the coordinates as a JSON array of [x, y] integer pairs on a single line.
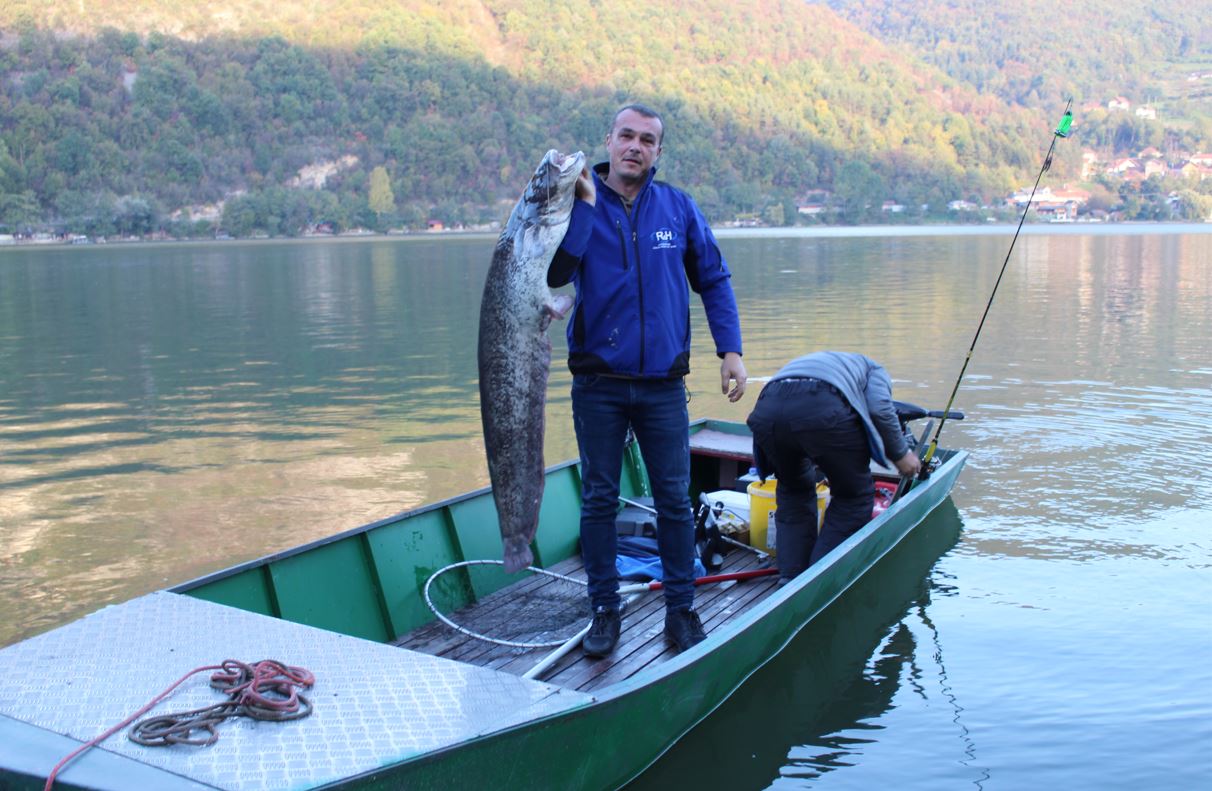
[[866, 385]]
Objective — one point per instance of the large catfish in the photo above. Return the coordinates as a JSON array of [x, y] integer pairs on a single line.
[[515, 352]]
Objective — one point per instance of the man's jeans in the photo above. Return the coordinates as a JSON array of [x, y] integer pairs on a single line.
[[603, 408], [798, 425]]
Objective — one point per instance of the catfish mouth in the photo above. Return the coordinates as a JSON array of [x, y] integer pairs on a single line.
[[559, 174], [568, 166]]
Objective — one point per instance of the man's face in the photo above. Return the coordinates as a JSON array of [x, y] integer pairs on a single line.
[[634, 144]]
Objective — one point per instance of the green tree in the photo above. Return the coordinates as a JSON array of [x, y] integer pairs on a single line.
[[860, 190], [382, 200]]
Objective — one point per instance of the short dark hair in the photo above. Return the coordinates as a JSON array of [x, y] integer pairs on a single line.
[[643, 110]]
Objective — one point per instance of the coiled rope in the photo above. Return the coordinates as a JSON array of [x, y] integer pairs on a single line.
[[265, 690]]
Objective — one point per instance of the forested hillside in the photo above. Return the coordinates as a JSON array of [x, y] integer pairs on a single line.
[[274, 117], [1031, 51]]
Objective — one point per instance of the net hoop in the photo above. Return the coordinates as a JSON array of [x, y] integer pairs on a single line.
[[478, 636]]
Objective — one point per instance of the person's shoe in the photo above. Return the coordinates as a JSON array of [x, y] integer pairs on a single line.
[[603, 633], [683, 628]]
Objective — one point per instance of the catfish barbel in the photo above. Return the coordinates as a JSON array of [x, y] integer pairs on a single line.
[[515, 352]]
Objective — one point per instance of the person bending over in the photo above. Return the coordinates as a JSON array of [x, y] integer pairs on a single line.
[[832, 411]]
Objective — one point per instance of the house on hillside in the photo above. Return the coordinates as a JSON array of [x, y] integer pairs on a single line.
[[1154, 167], [1055, 211], [812, 202], [1146, 112], [1204, 160], [1195, 172], [1058, 206], [1122, 166], [1149, 153], [1119, 103]]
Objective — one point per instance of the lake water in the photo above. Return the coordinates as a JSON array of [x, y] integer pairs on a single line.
[[169, 410]]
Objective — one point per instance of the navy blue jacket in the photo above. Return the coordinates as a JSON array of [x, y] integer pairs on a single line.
[[631, 316]]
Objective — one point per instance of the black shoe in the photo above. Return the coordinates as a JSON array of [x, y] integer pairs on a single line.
[[603, 633], [683, 628]]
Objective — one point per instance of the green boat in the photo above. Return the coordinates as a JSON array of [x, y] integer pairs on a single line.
[[400, 699]]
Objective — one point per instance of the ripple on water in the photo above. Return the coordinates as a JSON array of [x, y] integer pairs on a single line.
[[1091, 455]]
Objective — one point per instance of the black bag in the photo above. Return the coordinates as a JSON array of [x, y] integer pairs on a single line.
[[636, 520]]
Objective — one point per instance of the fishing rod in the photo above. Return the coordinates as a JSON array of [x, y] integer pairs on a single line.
[[1062, 130]]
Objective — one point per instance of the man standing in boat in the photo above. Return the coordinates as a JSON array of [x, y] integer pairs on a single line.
[[634, 249], [832, 411]]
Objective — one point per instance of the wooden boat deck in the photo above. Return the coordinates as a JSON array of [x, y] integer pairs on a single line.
[[641, 642]]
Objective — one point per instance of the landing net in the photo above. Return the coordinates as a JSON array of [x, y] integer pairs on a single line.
[[537, 608]]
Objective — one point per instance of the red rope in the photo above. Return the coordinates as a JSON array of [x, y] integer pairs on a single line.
[[247, 687]]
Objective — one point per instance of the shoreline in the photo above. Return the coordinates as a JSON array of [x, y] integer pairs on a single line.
[[791, 232]]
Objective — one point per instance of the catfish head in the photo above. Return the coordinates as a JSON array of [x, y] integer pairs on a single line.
[[552, 189]]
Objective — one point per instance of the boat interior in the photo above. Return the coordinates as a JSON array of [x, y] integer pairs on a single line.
[[719, 460], [641, 642]]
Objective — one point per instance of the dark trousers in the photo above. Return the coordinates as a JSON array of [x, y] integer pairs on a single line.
[[800, 426], [603, 408]]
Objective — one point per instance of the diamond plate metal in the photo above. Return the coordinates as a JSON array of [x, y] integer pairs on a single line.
[[375, 705]]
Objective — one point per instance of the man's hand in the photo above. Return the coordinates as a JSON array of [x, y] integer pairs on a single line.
[[586, 191], [909, 464], [732, 369]]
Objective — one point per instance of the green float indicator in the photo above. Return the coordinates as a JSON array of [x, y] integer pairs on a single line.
[[1062, 129]]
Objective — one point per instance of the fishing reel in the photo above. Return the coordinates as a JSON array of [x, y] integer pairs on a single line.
[[708, 540], [906, 412]]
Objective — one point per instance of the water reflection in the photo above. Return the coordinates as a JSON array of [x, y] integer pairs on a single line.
[[816, 707], [167, 411]]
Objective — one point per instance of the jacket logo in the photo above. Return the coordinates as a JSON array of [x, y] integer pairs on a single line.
[[664, 239]]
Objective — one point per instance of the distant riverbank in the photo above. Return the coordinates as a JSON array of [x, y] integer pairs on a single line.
[[796, 232], [992, 229]]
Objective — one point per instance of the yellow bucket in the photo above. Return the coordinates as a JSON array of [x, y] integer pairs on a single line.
[[761, 508], [762, 513]]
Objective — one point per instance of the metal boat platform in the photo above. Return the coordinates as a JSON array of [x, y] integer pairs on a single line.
[[374, 705]]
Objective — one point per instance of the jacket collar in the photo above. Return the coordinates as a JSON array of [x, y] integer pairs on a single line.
[[602, 170]]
